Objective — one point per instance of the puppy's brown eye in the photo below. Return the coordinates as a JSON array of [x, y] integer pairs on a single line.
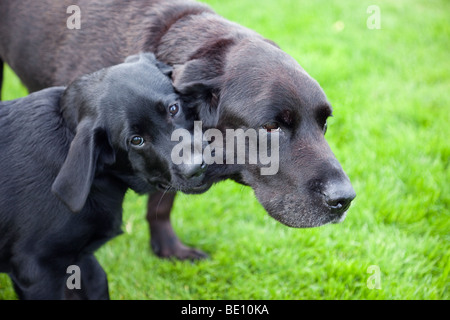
[[272, 127], [173, 109], [137, 141], [325, 127]]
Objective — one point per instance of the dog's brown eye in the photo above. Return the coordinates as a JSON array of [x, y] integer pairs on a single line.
[[271, 127], [325, 127], [173, 109], [137, 141]]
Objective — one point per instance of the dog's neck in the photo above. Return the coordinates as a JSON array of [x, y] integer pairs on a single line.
[[169, 14], [187, 21]]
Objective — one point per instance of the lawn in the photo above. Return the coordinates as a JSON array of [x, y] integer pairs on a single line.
[[390, 91]]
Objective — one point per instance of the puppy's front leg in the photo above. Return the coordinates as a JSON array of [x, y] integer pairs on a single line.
[[38, 279], [94, 283]]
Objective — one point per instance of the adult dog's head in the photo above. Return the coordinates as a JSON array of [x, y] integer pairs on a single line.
[[252, 84]]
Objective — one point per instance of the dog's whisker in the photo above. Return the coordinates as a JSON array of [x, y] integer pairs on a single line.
[[160, 199]]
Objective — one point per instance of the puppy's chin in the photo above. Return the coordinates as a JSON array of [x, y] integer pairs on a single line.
[[193, 189], [140, 185], [196, 190]]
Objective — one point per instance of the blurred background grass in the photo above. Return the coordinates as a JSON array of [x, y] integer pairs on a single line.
[[390, 131]]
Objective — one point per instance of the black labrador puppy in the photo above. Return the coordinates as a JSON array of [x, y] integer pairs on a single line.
[[68, 157], [233, 76]]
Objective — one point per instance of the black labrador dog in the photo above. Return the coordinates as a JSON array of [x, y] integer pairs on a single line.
[[233, 76], [68, 157]]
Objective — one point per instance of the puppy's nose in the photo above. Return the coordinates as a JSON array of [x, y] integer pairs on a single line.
[[195, 170], [339, 197]]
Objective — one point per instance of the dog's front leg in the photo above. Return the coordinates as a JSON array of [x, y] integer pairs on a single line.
[[36, 279], [94, 283], [164, 242]]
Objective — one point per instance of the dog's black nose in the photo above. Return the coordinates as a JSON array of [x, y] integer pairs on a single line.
[[195, 170], [339, 197]]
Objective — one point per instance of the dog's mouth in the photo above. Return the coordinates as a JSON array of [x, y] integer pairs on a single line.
[[185, 189], [300, 209], [163, 186], [159, 183], [340, 218], [197, 189]]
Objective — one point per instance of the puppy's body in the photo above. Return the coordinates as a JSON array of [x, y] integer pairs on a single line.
[[40, 237], [67, 160]]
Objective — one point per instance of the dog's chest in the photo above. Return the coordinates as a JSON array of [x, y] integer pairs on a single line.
[[100, 229]]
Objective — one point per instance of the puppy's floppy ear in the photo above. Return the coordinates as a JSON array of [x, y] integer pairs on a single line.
[[164, 68], [150, 58], [89, 150], [136, 57]]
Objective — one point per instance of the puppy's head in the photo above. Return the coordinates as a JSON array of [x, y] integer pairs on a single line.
[[124, 117], [260, 88]]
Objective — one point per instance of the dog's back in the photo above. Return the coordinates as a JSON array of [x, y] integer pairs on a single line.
[[33, 144], [25, 47]]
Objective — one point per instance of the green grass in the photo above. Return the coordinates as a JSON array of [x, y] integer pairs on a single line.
[[390, 92]]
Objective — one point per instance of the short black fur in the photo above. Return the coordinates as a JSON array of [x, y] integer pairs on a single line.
[[65, 165]]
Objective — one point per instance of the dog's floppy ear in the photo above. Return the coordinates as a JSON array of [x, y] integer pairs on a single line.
[[150, 57], [164, 68], [200, 84], [202, 78], [89, 150]]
